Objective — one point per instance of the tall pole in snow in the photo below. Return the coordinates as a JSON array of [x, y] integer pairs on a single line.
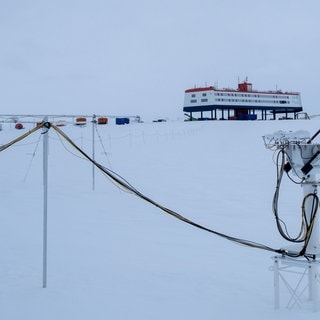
[[45, 201], [93, 151]]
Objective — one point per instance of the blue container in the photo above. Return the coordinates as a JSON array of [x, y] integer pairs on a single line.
[[122, 120]]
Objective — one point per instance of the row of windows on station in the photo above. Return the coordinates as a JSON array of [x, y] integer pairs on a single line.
[[243, 100], [268, 96]]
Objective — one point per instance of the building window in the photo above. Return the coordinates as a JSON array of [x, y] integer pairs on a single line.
[[193, 100], [193, 95], [204, 100]]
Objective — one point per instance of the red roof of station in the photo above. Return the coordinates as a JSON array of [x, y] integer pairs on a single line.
[[242, 87]]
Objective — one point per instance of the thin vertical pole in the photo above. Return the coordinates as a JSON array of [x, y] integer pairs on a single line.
[[310, 276], [313, 285], [93, 151], [276, 283], [45, 202]]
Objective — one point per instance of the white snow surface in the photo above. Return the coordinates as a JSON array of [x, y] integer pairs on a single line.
[[112, 255]]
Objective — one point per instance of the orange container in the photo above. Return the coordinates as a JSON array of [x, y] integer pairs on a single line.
[[102, 120], [81, 121]]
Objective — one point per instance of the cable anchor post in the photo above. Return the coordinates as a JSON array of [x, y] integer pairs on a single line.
[[45, 130]]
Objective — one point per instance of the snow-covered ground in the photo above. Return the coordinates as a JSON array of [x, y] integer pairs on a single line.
[[113, 256]]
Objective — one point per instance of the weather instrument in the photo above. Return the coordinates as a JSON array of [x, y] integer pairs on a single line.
[[297, 155]]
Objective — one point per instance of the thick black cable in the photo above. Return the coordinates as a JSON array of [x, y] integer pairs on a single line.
[[280, 224], [128, 187], [306, 226], [20, 138], [313, 137]]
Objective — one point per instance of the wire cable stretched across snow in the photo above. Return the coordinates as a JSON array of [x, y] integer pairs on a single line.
[[20, 138], [125, 185]]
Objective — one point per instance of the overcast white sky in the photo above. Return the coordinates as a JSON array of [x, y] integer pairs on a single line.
[[138, 57]]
